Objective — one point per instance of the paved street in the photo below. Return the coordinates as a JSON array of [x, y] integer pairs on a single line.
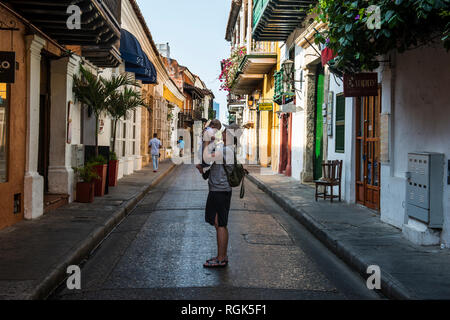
[[159, 250]]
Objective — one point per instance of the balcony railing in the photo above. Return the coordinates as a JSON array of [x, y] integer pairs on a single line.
[[275, 20], [261, 47], [264, 47], [258, 10]]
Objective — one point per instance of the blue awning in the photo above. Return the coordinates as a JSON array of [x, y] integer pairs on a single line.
[[136, 61]]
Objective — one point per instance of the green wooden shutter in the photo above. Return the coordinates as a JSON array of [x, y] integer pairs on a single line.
[[340, 124]]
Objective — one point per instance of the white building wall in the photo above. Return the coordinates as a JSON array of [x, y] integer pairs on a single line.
[[130, 160], [419, 122], [298, 119], [349, 156]]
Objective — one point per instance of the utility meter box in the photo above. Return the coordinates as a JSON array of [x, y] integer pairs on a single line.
[[77, 156], [425, 188]]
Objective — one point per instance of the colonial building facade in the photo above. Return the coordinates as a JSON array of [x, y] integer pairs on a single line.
[[385, 140], [40, 123]]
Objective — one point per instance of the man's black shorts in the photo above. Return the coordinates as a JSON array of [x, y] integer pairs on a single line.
[[218, 203]]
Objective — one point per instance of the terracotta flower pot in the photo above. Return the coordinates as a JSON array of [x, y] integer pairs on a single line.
[[100, 184], [113, 172], [85, 192]]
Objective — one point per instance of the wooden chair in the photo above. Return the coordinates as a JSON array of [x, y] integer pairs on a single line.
[[332, 176]]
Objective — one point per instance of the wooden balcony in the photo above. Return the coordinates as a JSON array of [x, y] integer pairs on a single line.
[[98, 36], [260, 61], [275, 20]]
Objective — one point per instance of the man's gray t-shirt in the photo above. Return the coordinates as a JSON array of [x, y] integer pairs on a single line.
[[218, 180], [155, 144]]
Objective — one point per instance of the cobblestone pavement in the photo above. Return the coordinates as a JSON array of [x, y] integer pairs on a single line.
[[159, 250], [359, 237]]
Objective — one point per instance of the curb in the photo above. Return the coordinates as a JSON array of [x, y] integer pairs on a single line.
[[389, 285], [58, 275]]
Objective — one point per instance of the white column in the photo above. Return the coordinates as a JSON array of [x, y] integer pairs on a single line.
[[242, 30], [33, 182], [60, 172], [250, 26], [137, 155]]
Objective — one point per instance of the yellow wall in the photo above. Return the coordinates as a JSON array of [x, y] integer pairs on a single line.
[[17, 127], [269, 120]]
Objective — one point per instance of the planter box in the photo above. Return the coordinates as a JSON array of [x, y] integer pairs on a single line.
[[85, 192], [100, 184], [113, 172]]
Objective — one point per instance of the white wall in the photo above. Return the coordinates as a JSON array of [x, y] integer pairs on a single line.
[[348, 157], [419, 122], [298, 119]]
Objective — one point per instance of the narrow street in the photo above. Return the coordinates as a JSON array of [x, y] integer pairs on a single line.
[[158, 252]]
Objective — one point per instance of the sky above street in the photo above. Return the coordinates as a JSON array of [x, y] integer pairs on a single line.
[[195, 31]]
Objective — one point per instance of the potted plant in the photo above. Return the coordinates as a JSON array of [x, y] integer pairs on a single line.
[[99, 164], [113, 169], [119, 105], [86, 188], [95, 92]]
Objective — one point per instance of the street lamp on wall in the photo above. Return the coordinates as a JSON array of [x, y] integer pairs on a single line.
[[288, 68]]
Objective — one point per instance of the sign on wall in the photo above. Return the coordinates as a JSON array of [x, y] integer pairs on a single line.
[[265, 106], [384, 137], [330, 112], [7, 67], [361, 84]]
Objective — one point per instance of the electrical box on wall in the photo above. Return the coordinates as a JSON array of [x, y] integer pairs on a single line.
[[425, 187], [77, 156]]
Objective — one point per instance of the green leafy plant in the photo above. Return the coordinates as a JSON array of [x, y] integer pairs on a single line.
[[170, 116], [113, 156], [95, 92], [86, 173], [404, 25], [98, 161], [119, 104]]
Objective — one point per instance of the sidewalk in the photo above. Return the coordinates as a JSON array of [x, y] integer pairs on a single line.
[[35, 254], [358, 237]]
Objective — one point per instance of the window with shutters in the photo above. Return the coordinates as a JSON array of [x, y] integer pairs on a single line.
[[340, 123]]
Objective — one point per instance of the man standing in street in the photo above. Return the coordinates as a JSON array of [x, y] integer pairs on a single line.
[[219, 198], [155, 146]]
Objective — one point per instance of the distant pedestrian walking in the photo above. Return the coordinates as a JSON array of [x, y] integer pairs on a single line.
[[219, 199], [155, 146], [181, 146]]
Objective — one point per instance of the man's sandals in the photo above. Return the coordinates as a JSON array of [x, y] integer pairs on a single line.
[[215, 263]]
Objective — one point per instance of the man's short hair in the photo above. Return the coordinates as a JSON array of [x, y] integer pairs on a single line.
[[155, 135], [216, 124]]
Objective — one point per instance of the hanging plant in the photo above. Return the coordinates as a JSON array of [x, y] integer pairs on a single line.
[[230, 68], [403, 25]]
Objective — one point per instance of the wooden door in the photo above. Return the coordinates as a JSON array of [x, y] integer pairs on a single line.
[[44, 122], [318, 147], [368, 166]]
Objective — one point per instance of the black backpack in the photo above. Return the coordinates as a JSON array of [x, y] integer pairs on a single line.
[[237, 175]]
